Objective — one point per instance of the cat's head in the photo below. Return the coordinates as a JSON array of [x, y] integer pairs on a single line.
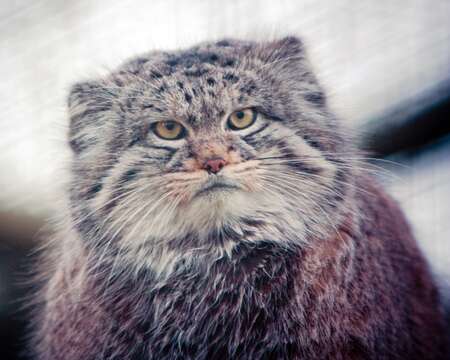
[[204, 148]]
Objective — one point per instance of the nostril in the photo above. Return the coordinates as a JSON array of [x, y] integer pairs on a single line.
[[213, 166]]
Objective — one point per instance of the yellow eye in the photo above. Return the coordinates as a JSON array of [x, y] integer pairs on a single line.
[[169, 130], [241, 119]]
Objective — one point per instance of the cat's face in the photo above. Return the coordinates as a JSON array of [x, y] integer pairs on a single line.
[[205, 148]]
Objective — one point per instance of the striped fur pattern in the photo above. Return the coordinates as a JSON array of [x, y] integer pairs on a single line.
[[288, 261]]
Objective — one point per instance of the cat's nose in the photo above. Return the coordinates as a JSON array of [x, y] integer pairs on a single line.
[[213, 166]]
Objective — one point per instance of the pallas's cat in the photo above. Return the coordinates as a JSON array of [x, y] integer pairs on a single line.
[[218, 210]]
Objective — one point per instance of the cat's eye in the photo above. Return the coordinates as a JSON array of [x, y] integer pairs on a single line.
[[241, 119], [169, 130]]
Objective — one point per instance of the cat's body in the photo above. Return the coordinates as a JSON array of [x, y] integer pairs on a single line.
[[253, 270]]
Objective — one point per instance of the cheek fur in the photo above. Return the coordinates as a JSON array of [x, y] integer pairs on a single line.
[[246, 173], [297, 155]]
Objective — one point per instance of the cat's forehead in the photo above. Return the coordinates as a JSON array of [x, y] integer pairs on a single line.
[[223, 53], [197, 85]]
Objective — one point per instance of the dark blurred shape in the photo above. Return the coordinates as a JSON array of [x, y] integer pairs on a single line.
[[17, 236], [411, 125]]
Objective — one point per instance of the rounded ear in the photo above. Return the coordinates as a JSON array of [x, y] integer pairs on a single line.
[[289, 49], [88, 104], [287, 58]]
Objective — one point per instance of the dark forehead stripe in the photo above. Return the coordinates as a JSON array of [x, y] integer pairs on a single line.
[[223, 43], [197, 72], [197, 61], [231, 77], [249, 87], [192, 119], [230, 62], [188, 97], [155, 74], [189, 58]]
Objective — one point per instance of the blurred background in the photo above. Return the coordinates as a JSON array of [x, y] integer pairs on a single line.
[[385, 65]]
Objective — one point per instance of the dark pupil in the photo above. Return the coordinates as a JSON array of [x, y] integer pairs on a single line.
[[240, 115], [170, 125]]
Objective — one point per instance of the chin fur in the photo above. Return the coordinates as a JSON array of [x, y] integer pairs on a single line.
[[209, 228]]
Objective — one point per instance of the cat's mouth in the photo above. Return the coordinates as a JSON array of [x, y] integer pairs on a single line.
[[215, 185]]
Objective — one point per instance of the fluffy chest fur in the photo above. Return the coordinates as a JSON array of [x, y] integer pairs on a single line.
[[266, 303], [245, 310]]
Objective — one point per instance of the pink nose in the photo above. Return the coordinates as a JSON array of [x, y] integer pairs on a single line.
[[213, 166]]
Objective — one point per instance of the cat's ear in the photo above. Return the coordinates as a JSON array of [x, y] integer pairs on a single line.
[[89, 104], [287, 50], [288, 59]]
